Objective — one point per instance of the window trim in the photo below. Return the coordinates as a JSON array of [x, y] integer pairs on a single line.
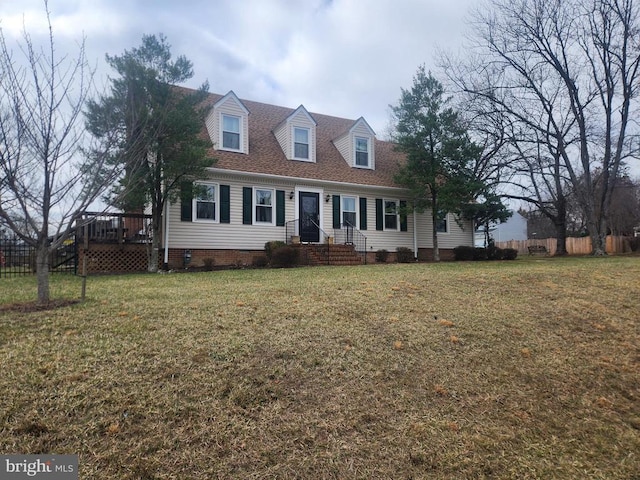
[[355, 209], [355, 151], [240, 133], [254, 207], [216, 201], [384, 215], [293, 143]]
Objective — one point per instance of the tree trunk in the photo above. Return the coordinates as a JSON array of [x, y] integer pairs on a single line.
[[561, 240], [434, 223], [156, 227], [42, 272], [598, 243]]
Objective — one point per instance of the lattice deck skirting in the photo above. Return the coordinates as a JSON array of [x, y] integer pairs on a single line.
[[114, 258]]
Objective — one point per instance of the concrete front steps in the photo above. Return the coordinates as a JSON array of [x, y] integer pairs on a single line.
[[337, 255]]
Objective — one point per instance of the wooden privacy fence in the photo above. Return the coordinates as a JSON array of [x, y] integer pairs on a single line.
[[575, 245]]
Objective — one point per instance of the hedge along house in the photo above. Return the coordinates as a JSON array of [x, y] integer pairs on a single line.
[[290, 175]]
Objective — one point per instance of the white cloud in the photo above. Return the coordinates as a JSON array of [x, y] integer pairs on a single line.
[[342, 57]]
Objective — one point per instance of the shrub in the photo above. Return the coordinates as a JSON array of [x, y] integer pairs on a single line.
[[480, 253], [285, 257], [494, 253], [510, 254], [404, 255], [382, 255], [634, 244], [208, 263], [260, 261], [463, 253], [272, 246]]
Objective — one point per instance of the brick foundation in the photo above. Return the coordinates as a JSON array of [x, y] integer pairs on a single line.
[[226, 258], [221, 258]]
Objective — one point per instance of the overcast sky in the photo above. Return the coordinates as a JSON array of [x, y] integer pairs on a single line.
[[347, 58]]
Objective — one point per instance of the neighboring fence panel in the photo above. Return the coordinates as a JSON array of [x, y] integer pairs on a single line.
[[19, 259], [575, 245]]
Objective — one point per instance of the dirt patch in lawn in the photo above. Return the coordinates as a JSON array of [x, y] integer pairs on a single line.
[[28, 307]]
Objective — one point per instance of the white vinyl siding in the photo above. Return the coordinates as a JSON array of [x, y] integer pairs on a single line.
[[235, 235], [454, 237]]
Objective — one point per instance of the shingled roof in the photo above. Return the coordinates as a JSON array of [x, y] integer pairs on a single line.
[[266, 157]]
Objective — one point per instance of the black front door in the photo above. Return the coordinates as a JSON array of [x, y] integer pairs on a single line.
[[309, 217]]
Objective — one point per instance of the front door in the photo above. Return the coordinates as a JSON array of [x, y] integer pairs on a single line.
[[309, 217]]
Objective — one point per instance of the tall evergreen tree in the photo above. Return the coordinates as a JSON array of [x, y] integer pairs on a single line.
[[440, 155], [158, 125]]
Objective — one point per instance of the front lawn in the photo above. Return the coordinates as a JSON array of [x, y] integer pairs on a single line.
[[522, 369]]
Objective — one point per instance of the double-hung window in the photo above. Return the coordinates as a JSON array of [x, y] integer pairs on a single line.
[[230, 132], [362, 152], [349, 211], [301, 143], [391, 215], [264, 201], [205, 203], [441, 226]]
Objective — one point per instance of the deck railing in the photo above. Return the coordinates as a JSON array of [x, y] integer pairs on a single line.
[[115, 227]]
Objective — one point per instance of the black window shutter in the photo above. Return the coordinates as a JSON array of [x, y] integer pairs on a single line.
[[280, 208], [363, 213], [379, 214], [225, 204], [403, 215], [247, 205], [186, 197], [336, 211]]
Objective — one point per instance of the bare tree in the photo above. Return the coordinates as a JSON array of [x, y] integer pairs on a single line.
[[567, 72], [45, 181]]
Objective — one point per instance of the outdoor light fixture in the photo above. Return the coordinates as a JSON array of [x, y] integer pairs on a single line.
[[291, 195]]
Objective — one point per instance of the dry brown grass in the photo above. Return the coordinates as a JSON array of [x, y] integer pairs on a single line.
[[525, 369]]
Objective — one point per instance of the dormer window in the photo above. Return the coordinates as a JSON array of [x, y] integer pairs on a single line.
[[230, 132], [362, 152], [296, 135], [228, 125], [357, 145], [301, 143]]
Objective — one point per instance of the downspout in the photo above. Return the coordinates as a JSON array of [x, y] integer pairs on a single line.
[[415, 235], [165, 263]]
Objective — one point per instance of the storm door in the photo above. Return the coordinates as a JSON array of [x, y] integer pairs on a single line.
[[309, 205]]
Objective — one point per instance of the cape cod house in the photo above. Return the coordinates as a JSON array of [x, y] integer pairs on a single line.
[[291, 175]]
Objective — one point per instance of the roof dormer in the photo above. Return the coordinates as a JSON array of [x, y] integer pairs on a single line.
[[296, 135], [228, 124], [357, 145]]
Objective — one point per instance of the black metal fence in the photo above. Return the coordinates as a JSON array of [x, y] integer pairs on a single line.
[[17, 258]]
